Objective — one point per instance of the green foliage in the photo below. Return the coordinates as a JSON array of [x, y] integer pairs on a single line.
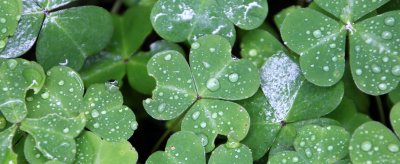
[[321, 42]]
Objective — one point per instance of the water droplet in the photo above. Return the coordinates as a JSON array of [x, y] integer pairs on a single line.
[[37, 155], [212, 84], [96, 125], [195, 45], [134, 125], [295, 159], [3, 20], [61, 82], [95, 113], [203, 139], [71, 90], [203, 125], [308, 152], [147, 101], [334, 58], [212, 49], [234, 77], [382, 86], [366, 146], [317, 33], [326, 68], [385, 59], [167, 57], [393, 148], [390, 21], [396, 70], [330, 147], [3, 30], [386, 35], [161, 107], [333, 45], [375, 68], [358, 71], [12, 63], [45, 95], [66, 130], [253, 52], [206, 65], [195, 115]]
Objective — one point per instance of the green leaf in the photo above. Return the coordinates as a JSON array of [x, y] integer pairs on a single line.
[[11, 12], [376, 74], [286, 89], [91, 149], [316, 144], [69, 36], [395, 118], [3, 122], [177, 150], [263, 130], [138, 77], [372, 142], [32, 154], [223, 154], [281, 16], [209, 118], [130, 31], [217, 75], [53, 4], [320, 41], [7, 155], [107, 117], [349, 10], [289, 157], [258, 45], [62, 94], [175, 82], [26, 32], [54, 135], [17, 76], [246, 14], [183, 20], [394, 95]]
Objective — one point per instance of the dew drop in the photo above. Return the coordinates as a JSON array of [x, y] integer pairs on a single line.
[[95, 113], [206, 65], [366, 146], [253, 52], [12, 63], [203, 139], [234, 77], [61, 82], [334, 58], [295, 159], [326, 68], [37, 155], [66, 130], [213, 84], [333, 45], [161, 107], [317, 33], [203, 125], [330, 147], [134, 125], [3, 30], [396, 70], [308, 152], [393, 148], [45, 95], [96, 125], [3, 20], [375, 68], [358, 72], [195, 115], [382, 86], [195, 45], [386, 35], [167, 57], [389, 21], [147, 101], [71, 90], [212, 49]]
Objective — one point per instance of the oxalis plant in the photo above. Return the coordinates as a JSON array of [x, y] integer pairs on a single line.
[[208, 81]]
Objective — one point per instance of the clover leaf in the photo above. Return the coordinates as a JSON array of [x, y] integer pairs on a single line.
[[321, 42], [283, 102], [7, 155], [372, 142], [176, 150], [203, 88], [11, 13], [240, 154], [315, 144], [82, 31], [183, 20], [17, 76]]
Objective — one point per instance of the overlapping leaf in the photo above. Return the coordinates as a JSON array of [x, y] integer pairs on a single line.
[[7, 155]]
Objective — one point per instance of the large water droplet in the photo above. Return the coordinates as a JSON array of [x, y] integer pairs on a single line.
[[308, 152], [203, 124], [12, 63], [66, 130], [161, 107], [195, 45], [61, 82], [45, 95], [366, 146], [396, 70], [96, 125], [3, 20], [95, 113], [390, 21], [203, 139], [195, 115], [358, 71], [253, 52], [3, 30], [326, 68], [234, 77], [213, 84], [167, 57], [134, 125], [375, 68], [317, 33], [386, 35], [393, 148], [382, 86]]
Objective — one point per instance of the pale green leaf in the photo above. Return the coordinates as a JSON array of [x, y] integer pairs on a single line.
[[223, 154], [7, 154]]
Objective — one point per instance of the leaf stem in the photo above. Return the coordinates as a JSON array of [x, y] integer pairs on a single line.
[[380, 109], [116, 6]]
